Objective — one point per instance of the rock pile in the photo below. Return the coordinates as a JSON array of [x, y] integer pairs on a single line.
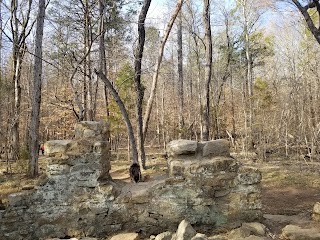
[[247, 231]]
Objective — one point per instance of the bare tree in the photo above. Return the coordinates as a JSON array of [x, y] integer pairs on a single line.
[[199, 44], [180, 77], [36, 92], [137, 79], [20, 30], [226, 73], [139, 88], [102, 51], [208, 69], [248, 81], [157, 67]]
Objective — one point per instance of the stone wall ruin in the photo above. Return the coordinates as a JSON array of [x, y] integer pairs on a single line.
[[78, 197]]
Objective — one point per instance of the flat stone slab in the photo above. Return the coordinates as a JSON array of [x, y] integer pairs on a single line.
[[219, 147], [182, 147], [206, 167]]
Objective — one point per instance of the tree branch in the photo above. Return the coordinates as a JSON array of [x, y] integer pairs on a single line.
[[124, 112], [304, 11]]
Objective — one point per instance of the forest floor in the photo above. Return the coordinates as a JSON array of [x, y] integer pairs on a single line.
[[290, 187]]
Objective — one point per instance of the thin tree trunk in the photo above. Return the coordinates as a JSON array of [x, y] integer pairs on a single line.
[[198, 86], [225, 77], [19, 36], [89, 94], [102, 51], [80, 115], [232, 107], [36, 96], [162, 120], [157, 68], [137, 79], [86, 79], [208, 69], [248, 82], [106, 98], [158, 120], [180, 77]]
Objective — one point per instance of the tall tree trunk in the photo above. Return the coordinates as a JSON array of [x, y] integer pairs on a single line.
[[17, 60], [89, 93], [86, 76], [102, 50], [224, 78], [162, 120], [232, 106], [180, 77], [157, 67], [248, 81], [137, 79], [36, 93], [208, 69], [199, 95], [20, 29]]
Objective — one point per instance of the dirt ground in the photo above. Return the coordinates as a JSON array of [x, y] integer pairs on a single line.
[[290, 187]]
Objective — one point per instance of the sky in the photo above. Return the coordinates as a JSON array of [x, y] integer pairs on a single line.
[[157, 10]]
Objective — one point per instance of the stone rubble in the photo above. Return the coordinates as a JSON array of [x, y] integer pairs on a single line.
[[247, 231]]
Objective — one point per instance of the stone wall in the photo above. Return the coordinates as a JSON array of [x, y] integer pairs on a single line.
[[78, 198], [223, 192]]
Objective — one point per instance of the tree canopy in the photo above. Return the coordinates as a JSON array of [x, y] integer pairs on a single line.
[[244, 70]]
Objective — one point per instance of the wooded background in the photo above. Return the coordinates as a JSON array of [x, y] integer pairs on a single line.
[[244, 70]]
